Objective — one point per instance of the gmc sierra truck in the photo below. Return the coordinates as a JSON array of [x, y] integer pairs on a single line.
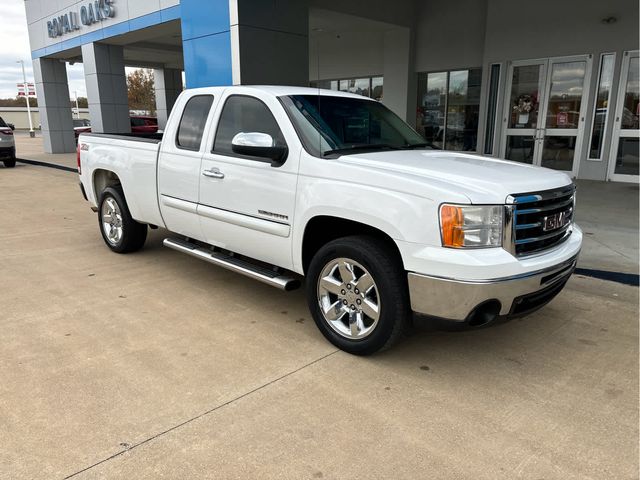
[[281, 183]]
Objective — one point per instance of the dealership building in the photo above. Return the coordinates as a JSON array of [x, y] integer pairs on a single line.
[[546, 82]]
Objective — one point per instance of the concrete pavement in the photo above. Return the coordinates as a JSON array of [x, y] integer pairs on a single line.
[[156, 365], [31, 149]]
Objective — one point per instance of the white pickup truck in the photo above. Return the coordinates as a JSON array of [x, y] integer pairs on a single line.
[[280, 183]]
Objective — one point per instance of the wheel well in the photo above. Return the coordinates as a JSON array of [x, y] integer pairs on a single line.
[[323, 229], [103, 179]]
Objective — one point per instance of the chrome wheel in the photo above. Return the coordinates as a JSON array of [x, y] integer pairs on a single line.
[[348, 298], [112, 221]]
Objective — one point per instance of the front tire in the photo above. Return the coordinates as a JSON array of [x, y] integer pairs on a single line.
[[120, 231], [357, 293], [10, 163]]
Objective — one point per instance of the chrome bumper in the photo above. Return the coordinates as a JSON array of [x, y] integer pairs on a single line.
[[457, 299]]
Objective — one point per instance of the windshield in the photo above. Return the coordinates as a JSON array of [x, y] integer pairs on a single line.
[[81, 122], [329, 125]]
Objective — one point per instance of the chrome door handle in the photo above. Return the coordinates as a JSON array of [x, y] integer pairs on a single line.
[[214, 173]]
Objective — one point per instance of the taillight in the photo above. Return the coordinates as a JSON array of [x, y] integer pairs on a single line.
[[7, 132], [78, 156]]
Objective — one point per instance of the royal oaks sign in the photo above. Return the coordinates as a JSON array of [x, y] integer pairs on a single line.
[[90, 13]]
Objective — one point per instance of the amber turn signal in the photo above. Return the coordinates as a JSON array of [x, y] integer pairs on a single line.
[[451, 223]]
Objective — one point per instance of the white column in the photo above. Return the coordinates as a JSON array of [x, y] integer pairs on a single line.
[[106, 88], [52, 88], [168, 85]]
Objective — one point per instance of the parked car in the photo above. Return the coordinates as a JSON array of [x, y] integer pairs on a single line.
[[143, 124], [81, 125], [278, 183], [7, 145]]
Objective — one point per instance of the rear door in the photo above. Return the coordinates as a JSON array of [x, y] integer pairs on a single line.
[[248, 206], [179, 164]]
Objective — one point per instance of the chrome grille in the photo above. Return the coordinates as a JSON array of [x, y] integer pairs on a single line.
[[540, 220]]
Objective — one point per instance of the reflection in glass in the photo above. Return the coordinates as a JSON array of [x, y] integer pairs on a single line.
[[463, 108], [520, 148], [432, 101], [565, 96], [377, 84], [631, 108], [525, 91], [359, 86], [602, 106], [558, 152], [627, 156]]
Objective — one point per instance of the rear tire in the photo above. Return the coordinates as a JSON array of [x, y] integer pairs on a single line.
[[10, 163], [357, 293], [119, 230]]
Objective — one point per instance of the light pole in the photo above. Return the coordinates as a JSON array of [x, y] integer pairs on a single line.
[[26, 95], [77, 109]]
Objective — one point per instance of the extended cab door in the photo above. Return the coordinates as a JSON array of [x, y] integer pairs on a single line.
[[179, 163], [246, 203]]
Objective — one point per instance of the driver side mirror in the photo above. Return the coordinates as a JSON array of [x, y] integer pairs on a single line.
[[256, 144]]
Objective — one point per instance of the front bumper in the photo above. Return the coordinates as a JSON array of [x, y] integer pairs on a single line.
[[457, 300]]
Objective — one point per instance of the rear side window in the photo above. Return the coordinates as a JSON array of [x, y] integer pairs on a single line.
[[3, 124], [248, 115], [193, 121]]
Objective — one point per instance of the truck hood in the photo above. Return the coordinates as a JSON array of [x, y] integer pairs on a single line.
[[481, 179]]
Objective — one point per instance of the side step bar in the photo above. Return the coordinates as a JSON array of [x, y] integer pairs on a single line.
[[238, 265]]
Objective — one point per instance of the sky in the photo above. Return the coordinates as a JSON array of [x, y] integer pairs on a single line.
[[14, 34]]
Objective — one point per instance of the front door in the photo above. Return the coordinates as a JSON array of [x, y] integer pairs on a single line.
[[246, 203], [623, 160], [545, 110]]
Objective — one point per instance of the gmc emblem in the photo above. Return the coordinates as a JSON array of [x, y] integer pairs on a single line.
[[556, 221]]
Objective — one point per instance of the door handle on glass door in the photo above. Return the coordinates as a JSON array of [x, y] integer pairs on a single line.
[[214, 173]]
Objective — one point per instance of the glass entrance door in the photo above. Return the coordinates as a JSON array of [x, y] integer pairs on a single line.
[[545, 112], [522, 110], [623, 159]]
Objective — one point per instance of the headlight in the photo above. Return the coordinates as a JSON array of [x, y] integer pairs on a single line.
[[471, 226]]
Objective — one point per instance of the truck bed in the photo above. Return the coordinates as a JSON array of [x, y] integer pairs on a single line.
[[133, 158]]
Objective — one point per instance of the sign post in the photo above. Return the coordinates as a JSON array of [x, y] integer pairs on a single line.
[[27, 92]]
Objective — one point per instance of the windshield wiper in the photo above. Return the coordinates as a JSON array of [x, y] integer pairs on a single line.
[[356, 148]]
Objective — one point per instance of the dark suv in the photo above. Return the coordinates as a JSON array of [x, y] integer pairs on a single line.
[[7, 145]]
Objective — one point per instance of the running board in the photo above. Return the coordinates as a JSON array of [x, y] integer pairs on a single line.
[[238, 265]]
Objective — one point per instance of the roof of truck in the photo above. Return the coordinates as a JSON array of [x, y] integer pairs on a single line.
[[279, 90]]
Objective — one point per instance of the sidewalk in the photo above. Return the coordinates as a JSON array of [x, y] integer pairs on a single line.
[[607, 212]]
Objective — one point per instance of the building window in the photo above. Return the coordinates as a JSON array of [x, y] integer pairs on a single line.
[[371, 87], [601, 108], [448, 108]]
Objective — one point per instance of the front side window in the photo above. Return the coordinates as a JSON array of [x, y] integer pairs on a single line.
[[242, 114], [193, 121], [341, 125]]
